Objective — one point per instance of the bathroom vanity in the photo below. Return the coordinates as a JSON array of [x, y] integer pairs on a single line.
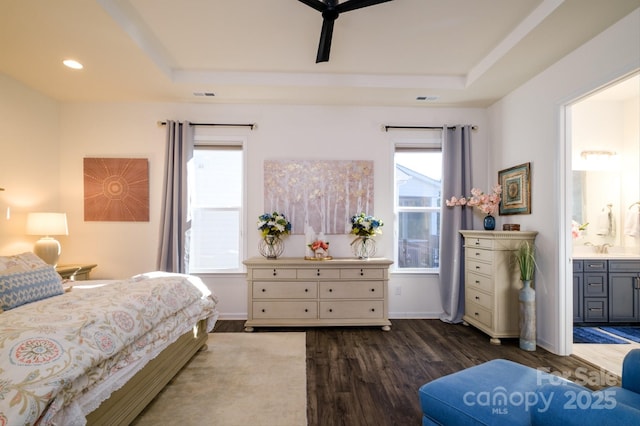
[[606, 289]]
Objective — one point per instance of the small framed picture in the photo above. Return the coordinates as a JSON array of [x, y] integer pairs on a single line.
[[516, 189]]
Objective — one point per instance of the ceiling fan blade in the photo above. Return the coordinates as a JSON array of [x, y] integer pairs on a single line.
[[356, 4], [316, 4], [324, 47]]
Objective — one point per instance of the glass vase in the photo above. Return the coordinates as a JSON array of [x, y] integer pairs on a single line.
[[363, 247], [271, 246], [489, 223]]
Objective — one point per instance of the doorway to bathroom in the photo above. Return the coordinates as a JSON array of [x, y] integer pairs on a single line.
[[603, 131]]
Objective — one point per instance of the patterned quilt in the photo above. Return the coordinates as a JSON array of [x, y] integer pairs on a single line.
[[55, 350]]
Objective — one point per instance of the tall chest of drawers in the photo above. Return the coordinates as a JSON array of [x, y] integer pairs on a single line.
[[492, 281], [299, 292]]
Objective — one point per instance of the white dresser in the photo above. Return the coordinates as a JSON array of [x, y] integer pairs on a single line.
[[299, 292], [492, 281]]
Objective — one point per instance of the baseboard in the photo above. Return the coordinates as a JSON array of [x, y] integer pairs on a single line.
[[414, 315]]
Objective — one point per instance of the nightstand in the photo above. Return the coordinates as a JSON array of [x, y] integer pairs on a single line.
[[75, 272]]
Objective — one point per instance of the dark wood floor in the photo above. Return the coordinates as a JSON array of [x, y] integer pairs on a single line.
[[365, 376]]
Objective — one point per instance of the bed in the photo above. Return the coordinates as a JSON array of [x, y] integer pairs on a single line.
[[97, 352]]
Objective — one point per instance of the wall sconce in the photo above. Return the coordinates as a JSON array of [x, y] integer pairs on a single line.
[[8, 214], [598, 155], [596, 160], [47, 248]]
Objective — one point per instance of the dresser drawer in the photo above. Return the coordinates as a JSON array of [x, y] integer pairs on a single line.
[[362, 273], [297, 309], [352, 290], [479, 267], [482, 299], [318, 273], [285, 290], [485, 243], [481, 282], [479, 314], [352, 309], [274, 273], [479, 255]]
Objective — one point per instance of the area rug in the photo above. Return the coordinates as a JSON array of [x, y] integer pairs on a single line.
[[594, 335], [242, 379], [628, 332]]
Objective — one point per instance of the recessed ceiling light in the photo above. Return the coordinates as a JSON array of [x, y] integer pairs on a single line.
[[210, 94], [428, 98], [72, 64]]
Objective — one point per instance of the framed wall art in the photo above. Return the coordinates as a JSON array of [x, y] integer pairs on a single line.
[[516, 189], [116, 189], [321, 194]]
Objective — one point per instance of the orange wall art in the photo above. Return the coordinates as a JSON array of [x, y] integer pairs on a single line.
[[116, 189]]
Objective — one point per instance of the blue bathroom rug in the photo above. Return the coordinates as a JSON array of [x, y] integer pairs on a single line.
[[595, 335], [628, 332]]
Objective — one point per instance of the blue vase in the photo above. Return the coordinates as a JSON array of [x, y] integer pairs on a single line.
[[489, 223]]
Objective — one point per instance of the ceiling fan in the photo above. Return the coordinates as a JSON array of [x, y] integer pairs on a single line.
[[330, 10]]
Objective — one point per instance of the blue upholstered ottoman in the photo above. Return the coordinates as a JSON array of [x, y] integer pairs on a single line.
[[498, 392]]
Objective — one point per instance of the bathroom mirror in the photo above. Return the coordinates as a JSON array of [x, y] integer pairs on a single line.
[[605, 141]]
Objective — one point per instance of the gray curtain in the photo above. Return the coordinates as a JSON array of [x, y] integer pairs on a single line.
[[456, 181], [175, 219]]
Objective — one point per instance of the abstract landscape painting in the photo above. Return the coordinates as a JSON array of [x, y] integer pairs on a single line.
[[323, 194]]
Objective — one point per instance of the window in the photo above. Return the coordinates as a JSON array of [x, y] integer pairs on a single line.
[[215, 187], [418, 186]]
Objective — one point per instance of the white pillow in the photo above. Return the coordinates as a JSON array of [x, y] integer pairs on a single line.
[[26, 260]]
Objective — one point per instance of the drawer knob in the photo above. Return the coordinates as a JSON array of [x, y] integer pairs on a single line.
[[477, 282], [361, 272], [373, 309], [306, 290], [330, 290], [263, 310], [477, 253], [330, 310], [274, 273], [373, 289], [476, 314], [477, 298], [306, 310], [264, 290], [318, 273], [477, 267]]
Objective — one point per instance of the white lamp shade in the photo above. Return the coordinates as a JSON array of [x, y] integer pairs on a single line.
[[46, 224]]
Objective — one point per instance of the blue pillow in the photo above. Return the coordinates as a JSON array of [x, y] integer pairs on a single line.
[[22, 287]]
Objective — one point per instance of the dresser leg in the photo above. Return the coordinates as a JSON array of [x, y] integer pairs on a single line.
[[386, 328], [248, 329], [494, 341]]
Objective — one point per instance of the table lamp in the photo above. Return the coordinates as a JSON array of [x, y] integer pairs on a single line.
[[47, 224]]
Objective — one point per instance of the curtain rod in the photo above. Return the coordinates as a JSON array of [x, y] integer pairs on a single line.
[[253, 126], [387, 127]]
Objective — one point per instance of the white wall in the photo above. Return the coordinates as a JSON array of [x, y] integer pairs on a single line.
[[527, 126], [284, 132], [29, 161]]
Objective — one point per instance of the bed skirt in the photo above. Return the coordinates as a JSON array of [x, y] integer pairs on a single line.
[[124, 405]]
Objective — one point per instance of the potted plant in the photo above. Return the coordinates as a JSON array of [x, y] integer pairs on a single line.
[[526, 259]]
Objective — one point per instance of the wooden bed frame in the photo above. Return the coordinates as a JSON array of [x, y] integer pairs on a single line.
[[124, 405]]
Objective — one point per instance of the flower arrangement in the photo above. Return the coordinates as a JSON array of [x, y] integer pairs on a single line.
[[275, 224], [319, 244], [487, 203], [363, 225], [576, 229]]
